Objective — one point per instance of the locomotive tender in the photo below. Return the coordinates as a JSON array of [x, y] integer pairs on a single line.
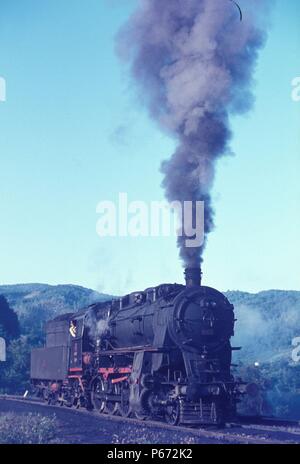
[[163, 353]]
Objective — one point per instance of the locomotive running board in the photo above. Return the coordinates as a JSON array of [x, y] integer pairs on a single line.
[[137, 349]]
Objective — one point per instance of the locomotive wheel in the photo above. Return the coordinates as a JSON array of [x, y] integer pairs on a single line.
[[97, 396], [124, 406], [111, 407], [49, 397], [172, 413]]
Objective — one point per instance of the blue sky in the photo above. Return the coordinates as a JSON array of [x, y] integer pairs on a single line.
[[72, 134]]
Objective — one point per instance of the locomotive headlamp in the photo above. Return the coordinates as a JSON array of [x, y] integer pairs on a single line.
[[210, 304]]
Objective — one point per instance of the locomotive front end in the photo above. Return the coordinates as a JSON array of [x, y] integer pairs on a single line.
[[203, 318]]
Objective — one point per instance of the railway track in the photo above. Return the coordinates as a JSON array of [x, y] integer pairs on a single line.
[[244, 432]]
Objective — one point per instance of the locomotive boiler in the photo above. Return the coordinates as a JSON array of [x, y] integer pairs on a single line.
[[162, 353]]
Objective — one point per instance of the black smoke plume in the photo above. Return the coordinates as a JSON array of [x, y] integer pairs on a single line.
[[194, 62]]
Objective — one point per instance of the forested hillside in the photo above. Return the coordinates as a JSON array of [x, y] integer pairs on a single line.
[[267, 324]]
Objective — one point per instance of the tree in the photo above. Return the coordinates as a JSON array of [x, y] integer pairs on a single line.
[[9, 323], [15, 373]]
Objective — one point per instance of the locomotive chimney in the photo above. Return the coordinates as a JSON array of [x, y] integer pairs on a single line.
[[193, 277]]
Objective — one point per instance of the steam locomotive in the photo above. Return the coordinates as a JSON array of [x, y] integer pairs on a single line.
[[162, 353]]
